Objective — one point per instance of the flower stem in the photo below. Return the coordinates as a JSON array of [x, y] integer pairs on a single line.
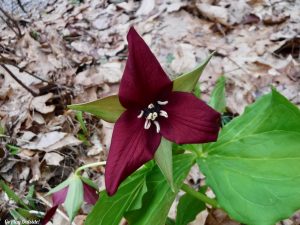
[[200, 196], [101, 163]]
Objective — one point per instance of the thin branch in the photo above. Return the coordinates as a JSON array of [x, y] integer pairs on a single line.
[[21, 6], [9, 25], [14, 21], [31, 74], [19, 81]]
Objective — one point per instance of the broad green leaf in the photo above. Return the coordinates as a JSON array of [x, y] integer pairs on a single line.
[[188, 81], [217, 99], [60, 186], [159, 197], [110, 210], [74, 197], [12, 195], [108, 109], [163, 158], [188, 208], [254, 167]]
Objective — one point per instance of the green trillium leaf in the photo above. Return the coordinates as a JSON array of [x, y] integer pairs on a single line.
[[74, 197], [159, 197], [110, 210], [108, 109], [254, 167], [163, 158], [188, 81], [217, 99]]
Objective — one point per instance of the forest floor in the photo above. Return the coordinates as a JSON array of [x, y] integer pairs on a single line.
[[72, 51]]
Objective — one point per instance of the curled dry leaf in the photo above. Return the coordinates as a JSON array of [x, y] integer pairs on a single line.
[[53, 158], [214, 13], [35, 168], [39, 104]]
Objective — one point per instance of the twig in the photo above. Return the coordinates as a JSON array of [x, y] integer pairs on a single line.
[[21, 6], [11, 19], [34, 94], [31, 74], [240, 67]]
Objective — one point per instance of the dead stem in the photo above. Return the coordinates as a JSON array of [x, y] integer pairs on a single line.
[[11, 23], [19, 81]]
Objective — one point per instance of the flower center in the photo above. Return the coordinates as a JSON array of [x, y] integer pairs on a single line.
[[152, 112]]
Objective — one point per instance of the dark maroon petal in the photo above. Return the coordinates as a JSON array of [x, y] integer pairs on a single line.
[[60, 196], [49, 214], [131, 147], [143, 79], [190, 120], [90, 194]]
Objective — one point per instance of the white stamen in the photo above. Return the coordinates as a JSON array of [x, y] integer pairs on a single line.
[[147, 124], [157, 126], [163, 113], [162, 102], [154, 116], [141, 114], [151, 106], [149, 117]]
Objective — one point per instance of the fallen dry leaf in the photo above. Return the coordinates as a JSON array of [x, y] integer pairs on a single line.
[[52, 141], [53, 158], [39, 104]]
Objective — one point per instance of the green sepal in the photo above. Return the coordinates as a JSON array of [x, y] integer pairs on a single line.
[[74, 197], [188, 81], [108, 108], [217, 99], [60, 186], [89, 182], [163, 157]]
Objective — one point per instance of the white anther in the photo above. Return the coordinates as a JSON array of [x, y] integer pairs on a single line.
[[157, 126], [162, 102], [154, 116], [141, 114], [151, 106], [163, 113], [149, 117], [147, 124]]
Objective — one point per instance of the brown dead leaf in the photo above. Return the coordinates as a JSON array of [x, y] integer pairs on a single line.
[[52, 141], [275, 19], [146, 7], [35, 168], [185, 59], [39, 104], [219, 217], [214, 13], [53, 158]]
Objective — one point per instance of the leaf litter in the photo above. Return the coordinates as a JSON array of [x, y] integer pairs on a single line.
[[77, 51]]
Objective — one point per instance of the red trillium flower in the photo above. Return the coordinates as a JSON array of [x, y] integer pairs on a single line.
[[90, 196], [153, 111]]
